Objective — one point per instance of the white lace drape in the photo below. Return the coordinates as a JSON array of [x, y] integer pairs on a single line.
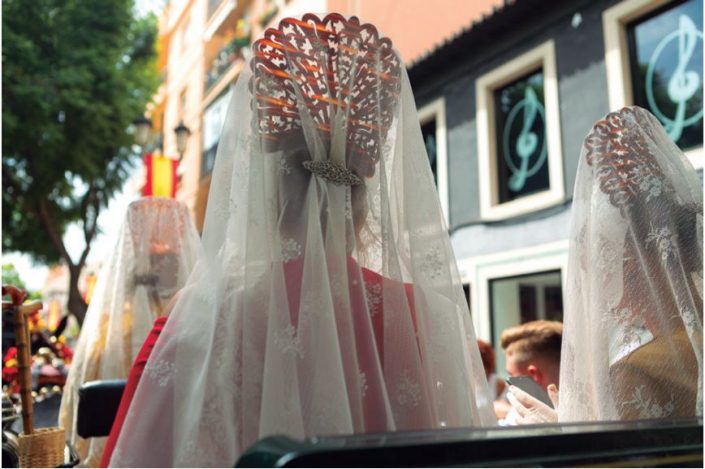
[[632, 338], [320, 308], [155, 251]]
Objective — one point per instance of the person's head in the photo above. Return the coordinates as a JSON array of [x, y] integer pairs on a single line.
[[159, 230], [635, 168], [487, 355], [534, 349]]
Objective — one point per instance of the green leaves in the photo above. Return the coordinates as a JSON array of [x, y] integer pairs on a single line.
[[75, 74]]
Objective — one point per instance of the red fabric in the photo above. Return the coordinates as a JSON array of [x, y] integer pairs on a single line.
[[147, 189], [130, 388], [374, 408]]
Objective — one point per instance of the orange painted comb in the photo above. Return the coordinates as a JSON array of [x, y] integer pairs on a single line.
[[326, 66]]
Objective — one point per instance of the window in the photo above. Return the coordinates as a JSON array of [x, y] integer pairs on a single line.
[[655, 60], [520, 299], [213, 120], [467, 289], [428, 130], [433, 129], [519, 141], [520, 138], [511, 287]]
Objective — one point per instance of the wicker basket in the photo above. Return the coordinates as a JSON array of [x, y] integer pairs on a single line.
[[42, 448]]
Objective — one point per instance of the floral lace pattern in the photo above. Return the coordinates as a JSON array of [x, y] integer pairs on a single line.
[[160, 371], [288, 341], [290, 249], [665, 241], [408, 391], [649, 183], [284, 167], [373, 294], [313, 305], [362, 380], [433, 263], [648, 407]]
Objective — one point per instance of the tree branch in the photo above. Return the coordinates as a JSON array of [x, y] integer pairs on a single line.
[[89, 230], [44, 218]]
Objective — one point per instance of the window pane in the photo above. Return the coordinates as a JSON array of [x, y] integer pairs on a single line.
[[466, 290], [428, 130], [666, 57], [516, 300], [520, 138], [213, 120]]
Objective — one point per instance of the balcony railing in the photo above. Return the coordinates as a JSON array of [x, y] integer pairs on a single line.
[[225, 58]]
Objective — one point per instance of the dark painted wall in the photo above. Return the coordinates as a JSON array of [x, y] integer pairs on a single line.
[[583, 100]]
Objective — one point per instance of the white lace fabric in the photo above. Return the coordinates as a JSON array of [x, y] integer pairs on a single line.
[[154, 254], [632, 337], [323, 308]]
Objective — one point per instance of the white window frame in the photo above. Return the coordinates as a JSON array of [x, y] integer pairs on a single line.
[[478, 271], [543, 56], [471, 301], [619, 77], [436, 109]]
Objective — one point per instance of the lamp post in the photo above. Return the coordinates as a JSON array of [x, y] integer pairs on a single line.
[[143, 130], [182, 134]]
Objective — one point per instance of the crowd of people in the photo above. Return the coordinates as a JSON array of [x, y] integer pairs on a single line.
[[323, 296]]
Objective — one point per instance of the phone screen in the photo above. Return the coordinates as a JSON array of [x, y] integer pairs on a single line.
[[529, 386]]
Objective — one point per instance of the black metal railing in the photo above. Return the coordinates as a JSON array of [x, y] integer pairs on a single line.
[[224, 59]]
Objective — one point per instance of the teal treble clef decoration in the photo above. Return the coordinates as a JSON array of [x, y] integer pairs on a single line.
[[527, 142], [683, 84]]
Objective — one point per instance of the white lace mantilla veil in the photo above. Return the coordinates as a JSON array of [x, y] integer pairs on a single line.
[[328, 299], [155, 251], [632, 337]]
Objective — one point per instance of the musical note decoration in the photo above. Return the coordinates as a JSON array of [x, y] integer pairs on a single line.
[[683, 83], [526, 147]]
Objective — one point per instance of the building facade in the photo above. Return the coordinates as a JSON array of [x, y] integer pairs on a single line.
[[504, 108], [506, 92], [205, 43]]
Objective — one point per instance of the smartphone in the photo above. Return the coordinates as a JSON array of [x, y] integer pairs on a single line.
[[529, 386]]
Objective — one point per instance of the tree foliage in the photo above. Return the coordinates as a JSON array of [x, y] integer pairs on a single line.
[[10, 276], [75, 74]]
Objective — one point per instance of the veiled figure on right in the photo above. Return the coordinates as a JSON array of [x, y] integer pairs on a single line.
[[632, 340]]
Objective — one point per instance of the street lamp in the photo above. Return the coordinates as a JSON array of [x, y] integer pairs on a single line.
[[143, 129], [182, 133]]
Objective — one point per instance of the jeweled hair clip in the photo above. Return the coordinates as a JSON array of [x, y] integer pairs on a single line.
[[333, 172]]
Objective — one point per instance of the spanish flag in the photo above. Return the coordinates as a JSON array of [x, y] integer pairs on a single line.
[[161, 176]]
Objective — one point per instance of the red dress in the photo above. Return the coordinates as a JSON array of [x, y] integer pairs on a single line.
[[130, 388], [373, 405]]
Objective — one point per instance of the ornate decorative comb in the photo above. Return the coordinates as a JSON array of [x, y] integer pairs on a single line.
[[624, 164], [328, 67]]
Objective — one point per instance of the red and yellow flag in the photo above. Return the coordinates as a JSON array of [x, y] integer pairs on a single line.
[[161, 176]]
